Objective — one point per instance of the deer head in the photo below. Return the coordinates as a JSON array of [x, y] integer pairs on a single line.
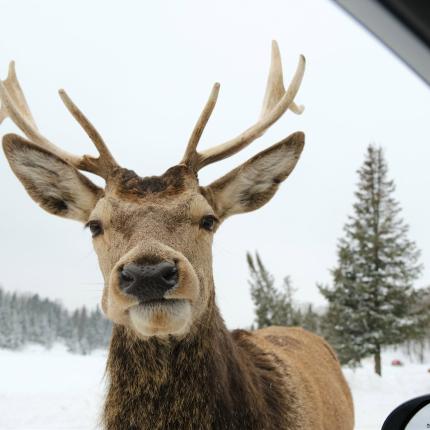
[[153, 235]]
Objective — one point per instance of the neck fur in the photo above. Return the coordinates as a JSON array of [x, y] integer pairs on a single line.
[[211, 379]]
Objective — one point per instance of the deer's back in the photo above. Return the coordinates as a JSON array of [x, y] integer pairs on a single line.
[[312, 371]]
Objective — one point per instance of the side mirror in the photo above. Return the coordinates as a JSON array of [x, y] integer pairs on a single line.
[[411, 415]]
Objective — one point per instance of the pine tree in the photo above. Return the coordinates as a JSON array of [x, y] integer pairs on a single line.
[[372, 300], [272, 306], [310, 320], [418, 343]]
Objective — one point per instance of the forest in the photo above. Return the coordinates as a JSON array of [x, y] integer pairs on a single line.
[[27, 318]]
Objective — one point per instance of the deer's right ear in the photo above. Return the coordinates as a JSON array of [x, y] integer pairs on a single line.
[[254, 183], [55, 185]]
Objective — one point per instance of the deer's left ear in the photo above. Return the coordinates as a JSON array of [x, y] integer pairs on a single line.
[[253, 184]]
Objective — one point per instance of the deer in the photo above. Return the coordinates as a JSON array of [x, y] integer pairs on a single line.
[[172, 363]]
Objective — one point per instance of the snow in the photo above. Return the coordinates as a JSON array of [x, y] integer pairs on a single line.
[[50, 389], [375, 397], [54, 389]]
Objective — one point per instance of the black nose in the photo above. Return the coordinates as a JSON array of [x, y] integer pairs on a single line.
[[148, 282]]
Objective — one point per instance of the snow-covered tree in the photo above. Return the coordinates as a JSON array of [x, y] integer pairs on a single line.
[[310, 320], [272, 306], [372, 300]]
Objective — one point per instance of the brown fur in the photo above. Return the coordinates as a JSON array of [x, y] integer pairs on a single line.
[[214, 379], [211, 379], [128, 184]]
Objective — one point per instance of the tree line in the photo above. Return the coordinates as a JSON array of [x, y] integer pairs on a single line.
[[372, 300], [26, 318]]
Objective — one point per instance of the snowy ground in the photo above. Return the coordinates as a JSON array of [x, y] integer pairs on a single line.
[[47, 390], [376, 397], [53, 389]]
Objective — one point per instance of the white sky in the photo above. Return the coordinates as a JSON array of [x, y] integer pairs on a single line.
[[142, 72]]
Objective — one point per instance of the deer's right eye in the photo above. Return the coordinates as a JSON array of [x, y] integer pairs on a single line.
[[95, 227]]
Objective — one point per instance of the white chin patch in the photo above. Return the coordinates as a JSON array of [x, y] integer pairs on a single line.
[[161, 318]]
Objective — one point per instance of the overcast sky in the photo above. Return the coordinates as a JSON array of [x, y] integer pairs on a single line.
[[142, 72]]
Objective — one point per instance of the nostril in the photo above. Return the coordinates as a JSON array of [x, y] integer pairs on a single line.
[[148, 281], [125, 276], [169, 274]]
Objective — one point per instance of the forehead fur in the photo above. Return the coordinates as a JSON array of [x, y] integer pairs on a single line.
[[171, 199], [127, 184]]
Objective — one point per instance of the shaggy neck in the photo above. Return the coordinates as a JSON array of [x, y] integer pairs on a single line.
[[210, 379]]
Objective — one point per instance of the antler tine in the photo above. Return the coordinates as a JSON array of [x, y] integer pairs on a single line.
[[14, 106], [275, 85], [276, 102], [3, 111], [190, 157], [105, 162], [14, 89]]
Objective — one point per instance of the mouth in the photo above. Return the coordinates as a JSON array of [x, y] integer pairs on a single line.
[[160, 302], [161, 317]]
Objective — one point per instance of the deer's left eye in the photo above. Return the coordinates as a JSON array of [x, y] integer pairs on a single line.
[[95, 227], [208, 222]]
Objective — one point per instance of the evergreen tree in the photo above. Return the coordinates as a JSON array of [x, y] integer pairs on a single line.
[[372, 300], [310, 320], [418, 343], [272, 306]]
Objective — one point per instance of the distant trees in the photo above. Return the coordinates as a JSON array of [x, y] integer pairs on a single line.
[[372, 302], [275, 306], [28, 318]]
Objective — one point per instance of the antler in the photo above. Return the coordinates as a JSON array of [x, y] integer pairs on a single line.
[[101, 165], [275, 104], [14, 106]]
